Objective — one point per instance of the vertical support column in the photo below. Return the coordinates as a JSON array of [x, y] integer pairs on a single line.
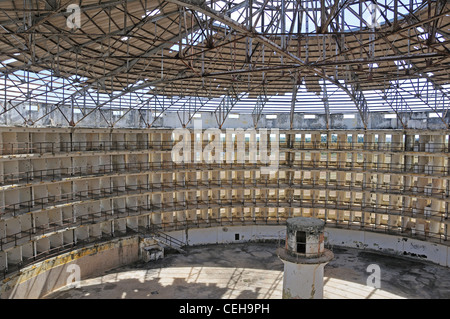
[[341, 176], [422, 184], [395, 182], [315, 172], [381, 166], [369, 139], [437, 184], [167, 180], [408, 166]]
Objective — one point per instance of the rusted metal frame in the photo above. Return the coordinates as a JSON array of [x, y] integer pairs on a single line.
[[29, 96], [433, 47], [123, 32], [356, 97], [234, 25], [226, 105], [216, 45], [46, 93], [326, 104], [72, 122], [39, 78], [70, 49], [163, 110], [148, 53], [56, 13], [396, 50], [5, 109], [129, 110], [4, 39], [143, 103], [435, 21], [432, 30], [332, 15], [119, 32], [395, 95], [261, 56], [191, 115], [434, 108], [81, 92], [356, 93], [259, 105], [72, 46], [45, 18], [363, 44], [16, 22], [379, 59], [423, 45], [411, 17], [222, 109], [306, 11], [293, 101], [108, 75], [229, 35], [387, 34]]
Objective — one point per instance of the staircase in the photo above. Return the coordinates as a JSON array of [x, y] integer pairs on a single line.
[[168, 241]]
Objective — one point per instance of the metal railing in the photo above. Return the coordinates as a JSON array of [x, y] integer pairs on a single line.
[[370, 146], [170, 186], [128, 211], [55, 174], [16, 148]]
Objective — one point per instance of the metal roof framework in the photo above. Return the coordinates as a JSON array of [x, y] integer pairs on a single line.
[[224, 56]]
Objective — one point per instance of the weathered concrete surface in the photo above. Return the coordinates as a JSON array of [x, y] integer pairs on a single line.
[[254, 271], [42, 278]]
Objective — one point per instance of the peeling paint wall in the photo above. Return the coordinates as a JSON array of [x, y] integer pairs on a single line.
[[389, 244]]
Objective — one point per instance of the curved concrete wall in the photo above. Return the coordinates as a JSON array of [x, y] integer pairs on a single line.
[[39, 279], [381, 242]]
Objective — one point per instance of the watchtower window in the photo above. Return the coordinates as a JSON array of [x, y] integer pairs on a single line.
[[301, 242]]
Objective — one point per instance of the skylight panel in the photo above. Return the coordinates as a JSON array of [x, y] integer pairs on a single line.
[[402, 64], [9, 61], [440, 37], [151, 13]]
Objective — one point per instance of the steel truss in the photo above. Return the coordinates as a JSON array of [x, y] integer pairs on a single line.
[[189, 56]]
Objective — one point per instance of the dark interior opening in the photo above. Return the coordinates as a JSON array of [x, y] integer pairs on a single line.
[[301, 242], [236, 236]]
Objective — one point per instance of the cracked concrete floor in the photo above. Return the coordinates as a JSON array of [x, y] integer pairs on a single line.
[[253, 271]]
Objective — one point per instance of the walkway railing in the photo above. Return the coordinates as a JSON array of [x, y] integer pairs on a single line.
[[71, 146], [199, 223]]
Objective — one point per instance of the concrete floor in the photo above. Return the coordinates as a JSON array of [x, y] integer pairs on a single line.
[[254, 271]]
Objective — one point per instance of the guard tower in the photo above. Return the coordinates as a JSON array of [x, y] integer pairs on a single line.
[[304, 258]]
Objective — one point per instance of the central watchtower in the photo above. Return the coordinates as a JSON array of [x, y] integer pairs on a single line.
[[304, 258]]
